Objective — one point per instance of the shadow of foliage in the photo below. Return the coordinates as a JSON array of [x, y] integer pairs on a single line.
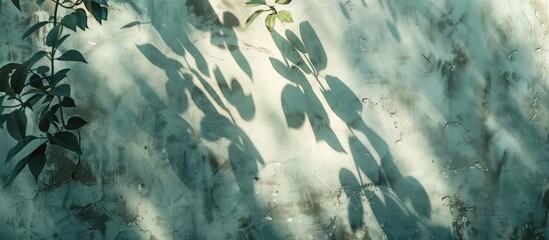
[[235, 95], [488, 133], [385, 190], [221, 30], [210, 176]]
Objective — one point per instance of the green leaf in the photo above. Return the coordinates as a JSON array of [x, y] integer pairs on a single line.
[[16, 170], [97, 11], [43, 69], [254, 3], [17, 125], [283, 2], [58, 76], [63, 90], [53, 35], [104, 13], [82, 21], [66, 140], [295, 41], [51, 112], [19, 146], [18, 78], [36, 81], [67, 102], [75, 123], [252, 17], [5, 72], [72, 55], [270, 22], [3, 119], [16, 3], [88, 5], [285, 16], [70, 21], [44, 124], [37, 160], [35, 58], [34, 28], [61, 40]]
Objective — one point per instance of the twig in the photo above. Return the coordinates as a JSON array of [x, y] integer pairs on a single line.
[[426, 58]]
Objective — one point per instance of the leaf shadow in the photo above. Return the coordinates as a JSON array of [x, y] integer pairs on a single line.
[[203, 170], [380, 181]]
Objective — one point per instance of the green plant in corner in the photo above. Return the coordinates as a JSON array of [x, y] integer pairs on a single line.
[[42, 91], [284, 16]]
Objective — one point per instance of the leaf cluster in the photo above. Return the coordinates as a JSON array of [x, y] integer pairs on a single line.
[[35, 87], [284, 16]]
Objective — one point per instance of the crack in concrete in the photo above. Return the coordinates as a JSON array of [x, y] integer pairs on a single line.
[[467, 131], [387, 103], [534, 105], [259, 49], [213, 56]]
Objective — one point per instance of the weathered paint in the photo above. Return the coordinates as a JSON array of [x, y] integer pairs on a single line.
[[404, 120]]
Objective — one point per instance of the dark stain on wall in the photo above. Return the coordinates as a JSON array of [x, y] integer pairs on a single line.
[[94, 215]]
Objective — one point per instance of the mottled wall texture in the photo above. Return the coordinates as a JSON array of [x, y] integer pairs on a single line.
[[397, 119]]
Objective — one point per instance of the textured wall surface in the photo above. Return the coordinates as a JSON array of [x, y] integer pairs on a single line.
[[404, 119]]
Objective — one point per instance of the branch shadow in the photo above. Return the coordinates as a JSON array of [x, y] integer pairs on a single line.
[[383, 188], [488, 127], [221, 31], [222, 184], [195, 165]]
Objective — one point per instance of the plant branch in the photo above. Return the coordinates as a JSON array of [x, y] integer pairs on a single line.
[[13, 106], [273, 9], [68, 6], [61, 113], [53, 45], [53, 50]]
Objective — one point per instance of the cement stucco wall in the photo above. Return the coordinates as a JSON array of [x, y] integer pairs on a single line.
[[407, 119]]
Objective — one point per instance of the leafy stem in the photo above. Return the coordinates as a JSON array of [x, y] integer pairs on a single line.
[[284, 16], [55, 11], [71, 6], [12, 106], [273, 9], [61, 113], [53, 50], [23, 86]]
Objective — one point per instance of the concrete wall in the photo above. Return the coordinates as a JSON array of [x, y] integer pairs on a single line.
[[405, 119]]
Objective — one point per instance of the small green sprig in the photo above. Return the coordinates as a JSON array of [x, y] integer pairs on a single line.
[[284, 16]]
